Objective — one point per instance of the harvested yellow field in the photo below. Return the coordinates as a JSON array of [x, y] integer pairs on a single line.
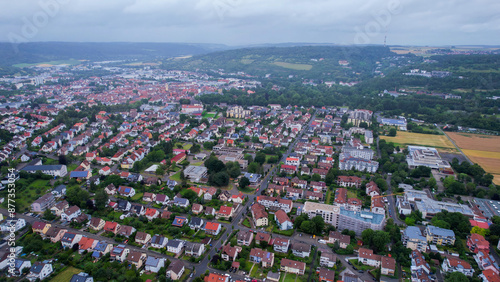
[[440, 142], [489, 155], [476, 141]]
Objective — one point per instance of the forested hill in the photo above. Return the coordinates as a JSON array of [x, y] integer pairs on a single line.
[[38, 52], [315, 62]]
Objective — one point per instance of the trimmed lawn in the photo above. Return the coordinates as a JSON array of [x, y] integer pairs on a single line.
[[246, 223], [66, 274], [283, 232], [137, 196], [151, 276], [361, 266], [72, 167]]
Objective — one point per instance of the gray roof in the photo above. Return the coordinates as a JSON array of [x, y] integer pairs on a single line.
[[174, 243], [80, 277], [414, 232], [42, 167], [440, 231], [153, 261]]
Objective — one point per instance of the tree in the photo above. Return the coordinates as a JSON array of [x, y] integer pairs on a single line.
[[299, 219], [481, 231], [195, 149], [366, 236], [260, 158], [319, 224], [233, 169], [307, 226], [244, 182], [456, 277], [316, 177], [101, 199], [160, 171], [48, 215], [392, 132], [380, 240], [253, 167], [219, 179]]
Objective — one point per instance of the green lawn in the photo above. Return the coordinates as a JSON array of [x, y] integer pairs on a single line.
[[246, 223], [66, 274], [283, 232], [361, 266], [137, 196], [72, 167], [176, 177]]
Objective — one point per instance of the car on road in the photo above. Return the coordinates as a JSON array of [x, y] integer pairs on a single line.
[[355, 268], [361, 271], [191, 275], [350, 263]]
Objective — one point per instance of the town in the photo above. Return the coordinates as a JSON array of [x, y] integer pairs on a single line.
[[129, 176]]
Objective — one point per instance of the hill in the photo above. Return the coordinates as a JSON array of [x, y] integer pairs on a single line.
[[314, 62], [39, 52]]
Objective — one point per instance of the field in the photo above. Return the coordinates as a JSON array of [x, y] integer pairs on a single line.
[[489, 155], [51, 63], [293, 66], [66, 274], [403, 139]]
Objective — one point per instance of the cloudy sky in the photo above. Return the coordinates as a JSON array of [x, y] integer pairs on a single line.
[[242, 22]]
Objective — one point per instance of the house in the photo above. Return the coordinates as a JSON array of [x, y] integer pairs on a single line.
[[149, 197], [119, 253], [454, 264], [40, 271], [262, 237], [214, 277], [196, 223], [230, 253], [327, 259], [489, 275], [110, 189], [281, 245], [292, 266], [96, 223], [366, 256], [142, 238], [259, 215], [44, 202], [282, 220], [105, 170], [387, 266], [209, 193], [301, 250], [343, 240], [137, 209], [272, 276], [111, 226], [40, 227], [101, 248], [159, 241], [151, 213], [224, 196], [175, 270], [87, 244], [166, 214], [161, 199], [137, 258], [212, 228], [326, 275], [175, 246], [477, 243], [71, 213], [19, 265], [126, 230], [181, 202], [225, 212], [244, 238], [237, 198], [260, 256], [126, 191], [418, 262], [439, 236], [59, 191], [179, 221], [275, 204], [123, 205], [194, 249], [349, 181], [70, 238], [412, 238], [59, 208], [153, 264], [55, 234], [81, 277], [209, 211], [197, 209]]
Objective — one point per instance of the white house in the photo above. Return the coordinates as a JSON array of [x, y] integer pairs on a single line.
[[71, 213], [40, 270], [154, 264]]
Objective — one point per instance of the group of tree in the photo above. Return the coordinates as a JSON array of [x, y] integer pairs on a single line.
[[455, 221], [375, 240], [473, 170], [220, 173], [310, 226]]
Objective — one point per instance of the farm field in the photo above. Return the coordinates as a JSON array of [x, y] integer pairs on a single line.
[[293, 66], [403, 139], [51, 63], [488, 157]]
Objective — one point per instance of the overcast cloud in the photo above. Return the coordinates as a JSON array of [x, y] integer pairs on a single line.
[[242, 22]]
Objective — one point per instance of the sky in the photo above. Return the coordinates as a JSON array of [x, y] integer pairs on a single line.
[[247, 22]]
